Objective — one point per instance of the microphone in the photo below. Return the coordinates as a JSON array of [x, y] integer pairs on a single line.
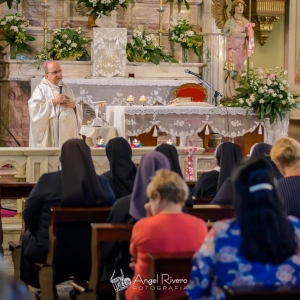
[[60, 84], [190, 72]]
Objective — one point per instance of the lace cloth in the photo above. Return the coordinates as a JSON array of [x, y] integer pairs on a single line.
[[189, 121], [109, 51]]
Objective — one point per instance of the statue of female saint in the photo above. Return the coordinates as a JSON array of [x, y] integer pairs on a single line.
[[235, 29]]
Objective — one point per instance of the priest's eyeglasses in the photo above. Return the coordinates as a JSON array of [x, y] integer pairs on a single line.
[[55, 72]]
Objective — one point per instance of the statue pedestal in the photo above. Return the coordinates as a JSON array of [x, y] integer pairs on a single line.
[[109, 51]]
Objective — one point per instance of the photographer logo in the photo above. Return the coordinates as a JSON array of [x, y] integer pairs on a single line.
[[120, 283]]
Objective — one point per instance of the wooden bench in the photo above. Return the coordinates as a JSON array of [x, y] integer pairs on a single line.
[[64, 216], [177, 266], [279, 292], [212, 212], [101, 233], [202, 200], [13, 191]]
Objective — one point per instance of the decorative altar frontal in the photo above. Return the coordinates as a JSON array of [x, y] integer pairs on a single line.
[[185, 121]]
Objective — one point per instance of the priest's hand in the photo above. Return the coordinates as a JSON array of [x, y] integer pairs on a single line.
[[68, 103], [58, 99]]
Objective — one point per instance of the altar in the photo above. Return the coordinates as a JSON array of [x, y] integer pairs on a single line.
[[187, 121]]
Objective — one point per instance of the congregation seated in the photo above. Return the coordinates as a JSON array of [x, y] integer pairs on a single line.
[[167, 192], [259, 150], [286, 155], [228, 155], [258, 247], [76, 185], [128, 210], [171, 153], [122, 169]]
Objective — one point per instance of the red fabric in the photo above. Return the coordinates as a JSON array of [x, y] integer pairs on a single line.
[[194, 92], [162, 233], [7, 213]]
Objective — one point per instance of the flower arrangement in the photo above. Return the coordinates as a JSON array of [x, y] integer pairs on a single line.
[[10, 2], [265, 94], [14, 34], [179, 4], [68, 42], [142, 48], [183, 34], [104, 7]]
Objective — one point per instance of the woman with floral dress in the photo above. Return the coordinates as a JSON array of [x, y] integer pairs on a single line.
[[261, 246]]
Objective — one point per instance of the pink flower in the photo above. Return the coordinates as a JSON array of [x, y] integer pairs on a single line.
[[260, 70], [271, 75]]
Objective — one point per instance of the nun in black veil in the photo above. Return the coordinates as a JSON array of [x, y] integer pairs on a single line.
[[229, 155], [122, 169], [76, 185]]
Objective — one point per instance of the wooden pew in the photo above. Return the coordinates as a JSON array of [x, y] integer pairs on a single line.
[[15, 249], [278, 292], [13, 191], [212, 212], [92, 289], [58, 216], [175, 265], [202, 200]]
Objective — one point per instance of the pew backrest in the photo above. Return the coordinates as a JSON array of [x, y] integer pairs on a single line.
[[202, 200], [212, 212], [164, 265], [15, 190], [278, 292]]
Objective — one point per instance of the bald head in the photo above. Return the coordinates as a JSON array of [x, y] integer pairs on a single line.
[[53, 72]]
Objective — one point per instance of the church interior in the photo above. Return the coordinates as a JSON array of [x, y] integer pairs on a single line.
[[208, 81]]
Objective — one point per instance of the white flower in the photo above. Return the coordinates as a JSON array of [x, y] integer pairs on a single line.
[[241, 100], [3, 23], [283, 102], [68, 41], [189, 33], [274, 95], [280, 96], [285, 72], [284, 82], [269, 82], [270, 91], [181, 35], [74, 45], [64, 36], [184, 40], [14, 28], [260, 90], [261, 101], [252, 98], [281, 88]]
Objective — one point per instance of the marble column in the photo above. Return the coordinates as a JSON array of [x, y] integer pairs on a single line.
[[215, 46]]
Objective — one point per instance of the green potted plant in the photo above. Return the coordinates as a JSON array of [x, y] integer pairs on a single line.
[[142, 48], [13, 27], [68, 44]]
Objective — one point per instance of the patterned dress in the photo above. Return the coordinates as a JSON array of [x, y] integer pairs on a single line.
[[218, 263]]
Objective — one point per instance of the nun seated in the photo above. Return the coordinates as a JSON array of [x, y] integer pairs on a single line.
[[122, 169], [70, 187]]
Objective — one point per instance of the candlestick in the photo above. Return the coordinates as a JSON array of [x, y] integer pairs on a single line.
[[160, 30], [142, 99], [45, 7]]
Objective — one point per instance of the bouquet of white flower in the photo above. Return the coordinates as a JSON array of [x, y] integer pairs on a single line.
[[265, 94], [68, 42], [14, 34], [142, 48]]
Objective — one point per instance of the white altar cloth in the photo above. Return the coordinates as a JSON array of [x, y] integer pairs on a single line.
[[185, 121]]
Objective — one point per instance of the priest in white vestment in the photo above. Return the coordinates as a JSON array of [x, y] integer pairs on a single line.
[[54, 117]]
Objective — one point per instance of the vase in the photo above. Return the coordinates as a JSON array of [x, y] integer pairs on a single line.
[[185, 55], [179, 9], [171, 12], [69, 58], [13, 51], [107, 21]]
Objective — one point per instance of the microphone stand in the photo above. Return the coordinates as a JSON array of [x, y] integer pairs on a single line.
[[10, 133], [216, 93]]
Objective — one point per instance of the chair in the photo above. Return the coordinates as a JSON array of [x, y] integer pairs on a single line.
[[278, 292], [175, 265], [194, 90]]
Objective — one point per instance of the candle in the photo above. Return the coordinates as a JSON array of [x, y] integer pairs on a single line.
[[169, 142], [143, 99], [130, 99], [45, 1], [160, 4], [19, 206]]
